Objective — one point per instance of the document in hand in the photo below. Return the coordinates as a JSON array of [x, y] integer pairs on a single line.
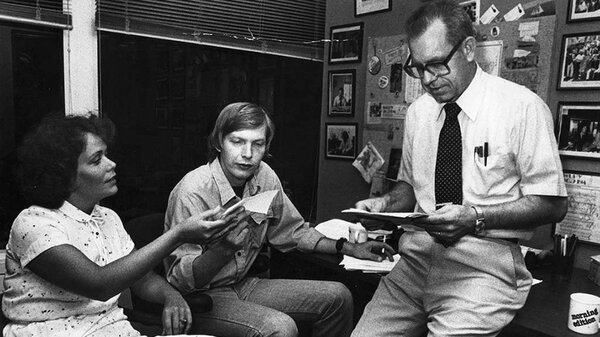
[[258, 203], [398, 218], [368, 266]]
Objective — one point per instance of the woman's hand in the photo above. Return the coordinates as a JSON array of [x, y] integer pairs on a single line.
[[209, 226], [177, 316]]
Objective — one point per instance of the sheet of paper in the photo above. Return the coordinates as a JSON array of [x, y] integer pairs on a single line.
[[260, 202], [514, 14], [368, 266], [489, 15], [334, 228], [394, 217]]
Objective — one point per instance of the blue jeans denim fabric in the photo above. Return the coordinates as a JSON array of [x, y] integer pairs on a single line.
[[268, 307], [472, 288]]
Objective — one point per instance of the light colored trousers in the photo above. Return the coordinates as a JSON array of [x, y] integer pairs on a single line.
[[267, 307], [472, 288]]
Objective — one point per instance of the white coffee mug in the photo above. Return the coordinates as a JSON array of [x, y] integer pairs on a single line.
[[357, 233], [583, 313]]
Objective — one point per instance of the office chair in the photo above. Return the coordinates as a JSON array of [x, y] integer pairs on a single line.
[[145, 316]]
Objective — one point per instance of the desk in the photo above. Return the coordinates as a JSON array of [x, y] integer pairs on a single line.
[[544, 314]]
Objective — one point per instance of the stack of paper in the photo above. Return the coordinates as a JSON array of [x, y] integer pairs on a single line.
[[368, 266]]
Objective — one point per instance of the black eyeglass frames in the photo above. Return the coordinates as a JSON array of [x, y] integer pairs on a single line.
[[434, 68]]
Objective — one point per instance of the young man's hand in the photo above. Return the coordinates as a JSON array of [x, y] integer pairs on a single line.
[[370, 250]]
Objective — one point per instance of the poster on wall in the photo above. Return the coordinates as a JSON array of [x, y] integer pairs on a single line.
[[583, 216]]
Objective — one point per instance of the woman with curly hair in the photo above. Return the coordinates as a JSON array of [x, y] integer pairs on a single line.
[[68, 258]]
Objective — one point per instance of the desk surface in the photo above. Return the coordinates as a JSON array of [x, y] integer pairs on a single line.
[[547, 306], [545, 311]]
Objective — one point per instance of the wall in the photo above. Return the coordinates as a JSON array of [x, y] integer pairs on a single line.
[[555, 96], [340, 184]]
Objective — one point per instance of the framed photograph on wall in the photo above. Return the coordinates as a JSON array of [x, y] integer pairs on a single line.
[[363, 7], [341, 141], [579, 129], [583, 10], [580, 55], [346, 43], [341, 93]]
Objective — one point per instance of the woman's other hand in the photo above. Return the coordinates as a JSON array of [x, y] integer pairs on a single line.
[[177, 316]]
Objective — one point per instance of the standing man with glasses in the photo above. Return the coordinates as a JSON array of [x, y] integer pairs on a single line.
[[479, 156]]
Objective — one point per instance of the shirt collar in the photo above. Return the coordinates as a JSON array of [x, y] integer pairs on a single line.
[[226, 192], [78, 215], [469, 100]]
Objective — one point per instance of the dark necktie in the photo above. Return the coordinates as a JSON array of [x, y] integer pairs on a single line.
[[448, 166]]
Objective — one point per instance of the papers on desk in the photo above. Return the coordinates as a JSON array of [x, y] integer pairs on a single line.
[[368, 266]]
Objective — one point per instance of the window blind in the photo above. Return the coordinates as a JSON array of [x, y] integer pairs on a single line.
[[54, 13], [286, 27]]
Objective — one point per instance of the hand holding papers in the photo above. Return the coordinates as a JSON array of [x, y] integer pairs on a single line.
[[258, 203]]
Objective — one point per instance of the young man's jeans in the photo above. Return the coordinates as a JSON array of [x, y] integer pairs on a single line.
[[265, 307]]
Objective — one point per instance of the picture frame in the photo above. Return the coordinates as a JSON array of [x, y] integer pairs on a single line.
[[581, 10], [579, 49], [341, 139], [578, 131], [364, 7], [346, 43], [582, 218], [341, 93]]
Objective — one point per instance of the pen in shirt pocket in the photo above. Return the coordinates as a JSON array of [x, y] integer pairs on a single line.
[[482, 151]]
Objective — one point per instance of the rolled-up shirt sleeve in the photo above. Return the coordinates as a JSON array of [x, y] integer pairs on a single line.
[[179, 264], [288, 229]]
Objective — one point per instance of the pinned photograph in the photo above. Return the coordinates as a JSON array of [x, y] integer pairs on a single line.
[[368, 162]]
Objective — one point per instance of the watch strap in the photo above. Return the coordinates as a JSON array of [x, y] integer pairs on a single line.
[[339, 244]]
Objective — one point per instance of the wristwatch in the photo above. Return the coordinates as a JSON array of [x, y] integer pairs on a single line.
[[479, 221], [339, 244]]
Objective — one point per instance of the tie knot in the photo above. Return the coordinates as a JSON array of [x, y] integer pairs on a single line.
[[452, 110]]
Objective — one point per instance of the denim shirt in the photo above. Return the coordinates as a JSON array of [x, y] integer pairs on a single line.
[[206, 188]]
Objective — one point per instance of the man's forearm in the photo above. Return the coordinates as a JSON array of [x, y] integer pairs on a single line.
[[401, 198], [207, 265], [528, 212]]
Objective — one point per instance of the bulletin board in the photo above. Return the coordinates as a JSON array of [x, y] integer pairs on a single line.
[[583, 215], [385, 103], [527, 46]]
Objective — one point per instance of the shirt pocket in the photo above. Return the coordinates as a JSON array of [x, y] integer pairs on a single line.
[[257, 226], [493, 173]]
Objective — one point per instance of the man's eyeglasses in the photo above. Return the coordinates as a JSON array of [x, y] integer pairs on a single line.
[[434, 68]]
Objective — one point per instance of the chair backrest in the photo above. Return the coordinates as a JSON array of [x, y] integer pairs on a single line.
[[145, 229]]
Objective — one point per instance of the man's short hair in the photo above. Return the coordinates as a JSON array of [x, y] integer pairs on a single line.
[[239, 116], [47, 159], [458, 22]]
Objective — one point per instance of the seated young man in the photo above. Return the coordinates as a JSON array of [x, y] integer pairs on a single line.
[[249, 306]]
